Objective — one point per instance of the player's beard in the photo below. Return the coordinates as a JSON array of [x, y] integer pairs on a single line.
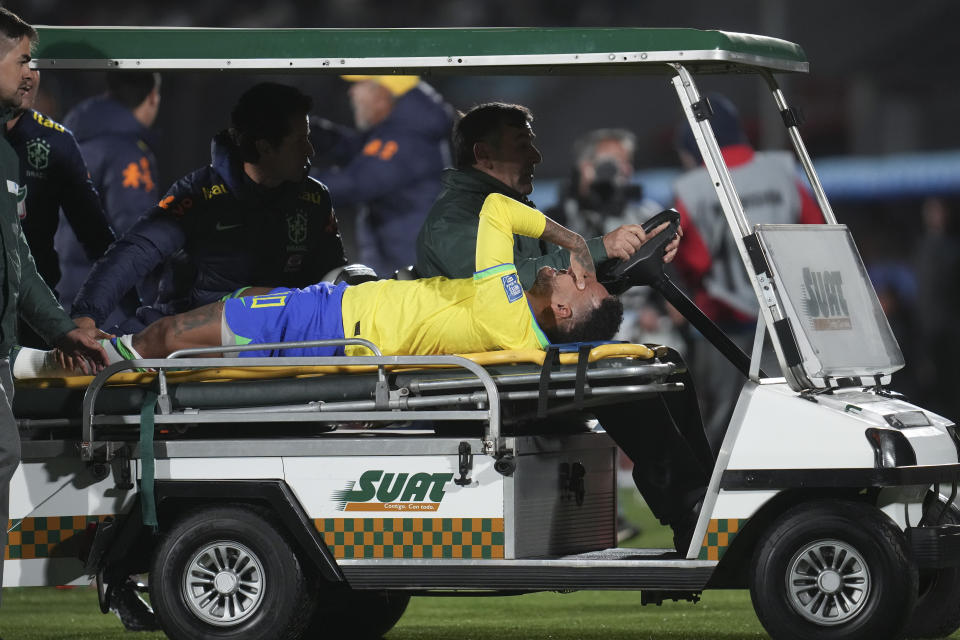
[[543, 285]]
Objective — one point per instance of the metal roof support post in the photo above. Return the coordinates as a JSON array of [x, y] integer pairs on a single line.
[[712, 159], [729, 200], [800, 148]]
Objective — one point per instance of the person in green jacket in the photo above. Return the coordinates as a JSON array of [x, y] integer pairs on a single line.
[[23, 292], [494, 152]]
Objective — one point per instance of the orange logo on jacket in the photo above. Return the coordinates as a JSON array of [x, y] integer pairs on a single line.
[[383, 150], [178, 208], [136, 175]]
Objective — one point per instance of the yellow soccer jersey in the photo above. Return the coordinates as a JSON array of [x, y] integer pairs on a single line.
[[464, 315]]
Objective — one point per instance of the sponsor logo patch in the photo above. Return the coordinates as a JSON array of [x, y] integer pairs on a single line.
[[511, 286]]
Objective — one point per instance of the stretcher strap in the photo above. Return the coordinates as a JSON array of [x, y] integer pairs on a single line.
[[583, 359], [550, 358], [148, 504]]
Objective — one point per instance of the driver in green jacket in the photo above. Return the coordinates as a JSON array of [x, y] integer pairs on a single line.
[[494, 152]]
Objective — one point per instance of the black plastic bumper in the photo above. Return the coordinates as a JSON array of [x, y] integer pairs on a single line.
[[747, 479], [935, 547]]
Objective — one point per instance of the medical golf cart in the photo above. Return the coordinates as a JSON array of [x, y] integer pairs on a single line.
[[312, 497]]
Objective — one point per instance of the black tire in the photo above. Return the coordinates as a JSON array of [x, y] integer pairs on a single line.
[[359, 615], [874, 575], [268, 597], [937, 614]]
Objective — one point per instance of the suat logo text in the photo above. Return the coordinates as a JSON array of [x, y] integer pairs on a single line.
[[823, 300], [379, 491]]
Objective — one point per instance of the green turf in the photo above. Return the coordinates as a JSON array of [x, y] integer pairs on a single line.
[[54, 614], [72, 614]]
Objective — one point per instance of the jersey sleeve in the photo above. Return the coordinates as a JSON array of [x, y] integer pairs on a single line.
[[500, 218], [501, 311]]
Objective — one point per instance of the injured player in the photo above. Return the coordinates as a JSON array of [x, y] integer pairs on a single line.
[[489, 311]]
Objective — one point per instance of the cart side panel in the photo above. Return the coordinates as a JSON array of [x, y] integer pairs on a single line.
[[565, 502], [402, 506], [52, 503]]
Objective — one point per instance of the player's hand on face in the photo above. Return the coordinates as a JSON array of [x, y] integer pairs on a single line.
[[581, 264], [624, 241]]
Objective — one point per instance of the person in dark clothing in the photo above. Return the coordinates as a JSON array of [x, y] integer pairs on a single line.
[[251, 218], [390, 167], [23, 292], [54, 176], [115, 136]]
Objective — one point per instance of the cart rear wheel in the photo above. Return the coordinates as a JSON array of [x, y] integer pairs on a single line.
[[362, 615], [833, 570], [229, 573], [937, 614]]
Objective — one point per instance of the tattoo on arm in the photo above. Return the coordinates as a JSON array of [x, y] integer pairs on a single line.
[[570, 240], [200, 317]]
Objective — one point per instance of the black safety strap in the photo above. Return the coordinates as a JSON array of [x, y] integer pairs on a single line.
[[551, 358], [583, 359], [148, 503]]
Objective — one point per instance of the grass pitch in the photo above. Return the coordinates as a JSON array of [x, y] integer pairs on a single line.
[[72, 614]]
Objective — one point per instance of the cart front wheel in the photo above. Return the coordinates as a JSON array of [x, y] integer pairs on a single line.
[[229, 573], [833, 570]]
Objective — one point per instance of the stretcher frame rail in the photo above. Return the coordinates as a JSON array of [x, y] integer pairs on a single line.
[[493, 443]]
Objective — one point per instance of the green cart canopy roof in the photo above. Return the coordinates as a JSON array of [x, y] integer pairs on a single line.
[[417, 51]]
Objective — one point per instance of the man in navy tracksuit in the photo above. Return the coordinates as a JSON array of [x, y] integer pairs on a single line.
[[55, 175], [115, 136], [389, 169], [251, 218]]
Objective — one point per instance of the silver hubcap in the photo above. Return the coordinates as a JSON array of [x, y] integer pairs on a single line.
[[223, 583], [828, 582]]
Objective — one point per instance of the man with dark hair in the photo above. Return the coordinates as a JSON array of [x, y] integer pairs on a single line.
[[494, 152], [495, 157], [22, 290], [115, 136], [252, 217], [54, 176]]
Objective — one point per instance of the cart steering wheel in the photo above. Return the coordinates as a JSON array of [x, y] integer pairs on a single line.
[[645, 267]]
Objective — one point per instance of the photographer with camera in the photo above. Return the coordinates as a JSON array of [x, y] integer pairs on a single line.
[[601, 198]]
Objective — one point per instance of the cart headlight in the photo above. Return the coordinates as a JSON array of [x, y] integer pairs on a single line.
[[890, 449]]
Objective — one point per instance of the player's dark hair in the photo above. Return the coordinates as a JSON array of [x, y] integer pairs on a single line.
[[264, 112], [14, 27], [131, 88], [602, 323], [483, 123]]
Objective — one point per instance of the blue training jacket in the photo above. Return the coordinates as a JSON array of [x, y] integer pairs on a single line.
[[119, 154], [55, 175], [392, 170], [227, 232]]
